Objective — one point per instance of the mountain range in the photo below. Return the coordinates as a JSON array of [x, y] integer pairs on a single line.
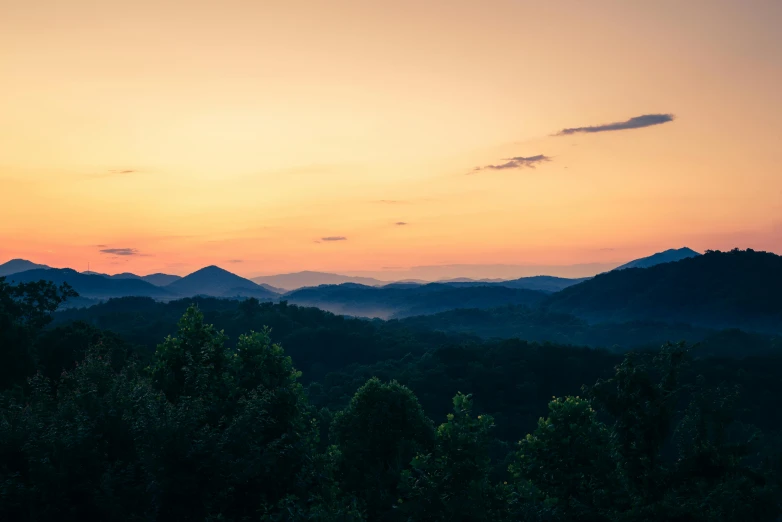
[[740, 289], [339, 293], [155, 279]]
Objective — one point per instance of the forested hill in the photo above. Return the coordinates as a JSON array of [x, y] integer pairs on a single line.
[[408, 300], [319, 341], [216, 428], [718, 289]]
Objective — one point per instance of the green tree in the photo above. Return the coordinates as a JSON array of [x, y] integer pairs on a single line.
[[377, 434], [452, 482], [69, 454], [231, 429], [565, 465], [25, 310]]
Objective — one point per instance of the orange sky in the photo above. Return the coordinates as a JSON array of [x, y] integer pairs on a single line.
[[241, 133]]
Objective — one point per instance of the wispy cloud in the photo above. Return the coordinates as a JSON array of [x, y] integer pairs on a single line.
[[400, 223], [518, 162], [334, 238], [638, 122], [120, 251], [236, 260], [111, 173], [391, 201]]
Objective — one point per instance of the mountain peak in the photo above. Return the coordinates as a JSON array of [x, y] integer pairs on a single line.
[[16, 265], [218, 282], [668, 256]]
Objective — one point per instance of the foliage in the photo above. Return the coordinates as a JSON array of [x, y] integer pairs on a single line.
[[215, 431], [377, 434]]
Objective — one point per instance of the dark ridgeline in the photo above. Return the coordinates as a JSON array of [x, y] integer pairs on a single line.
[[737, 289], [216, 282], [408, 300], [135, 408]]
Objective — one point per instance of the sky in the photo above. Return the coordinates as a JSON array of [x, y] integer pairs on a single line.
[[380, 137]]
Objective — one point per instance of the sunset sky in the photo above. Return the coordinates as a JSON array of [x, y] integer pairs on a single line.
[[277, 136]]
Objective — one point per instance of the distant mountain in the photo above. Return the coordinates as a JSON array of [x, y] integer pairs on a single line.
[[160, 279], [549, 284], [668, 256], [297, 280], [543, 283], [155, 279], [394, 301], [216, 282], [92, 286], [15, 266], [470, 280], [736, 289]]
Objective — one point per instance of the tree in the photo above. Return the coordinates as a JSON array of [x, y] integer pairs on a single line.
[[25, 310], [377, 435], [234, 430], [452, 483], [565, 464]]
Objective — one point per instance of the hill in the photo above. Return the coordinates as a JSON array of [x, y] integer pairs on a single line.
[[93, 286], [718, 289], [15, 266], [543, 283], [217, 282], [405, 300], [160, 279], [298, 280], [155, 279], [540, 325], [668, 256]]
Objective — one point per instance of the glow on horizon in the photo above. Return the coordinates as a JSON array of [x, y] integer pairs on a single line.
[[242, 133]]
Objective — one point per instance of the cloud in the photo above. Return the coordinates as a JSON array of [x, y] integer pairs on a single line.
[[334, 238], [391, 201], [400, 223], [236, 260], [638, 122], [112, 173], [120, 251], [518, 162]]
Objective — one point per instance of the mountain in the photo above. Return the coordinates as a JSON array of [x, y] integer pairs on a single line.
[[216, 282], [155, 279], [736, 289], [543, 283], [394, 301], [93, 286], [15, 266], [160, 279], [549, 284], [297, 280], [668, 256]]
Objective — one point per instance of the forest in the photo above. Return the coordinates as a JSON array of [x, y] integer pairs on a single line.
[[219, 410]]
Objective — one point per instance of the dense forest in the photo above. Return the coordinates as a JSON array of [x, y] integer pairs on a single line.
[[387, 422], [739, 288]]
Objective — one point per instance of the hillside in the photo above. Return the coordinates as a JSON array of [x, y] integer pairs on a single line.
[[14, 266], [718, 289], [93, 286], [217, 282], [298, 280], [406, 300], [155, 279], [668, 256], [542, 283]]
